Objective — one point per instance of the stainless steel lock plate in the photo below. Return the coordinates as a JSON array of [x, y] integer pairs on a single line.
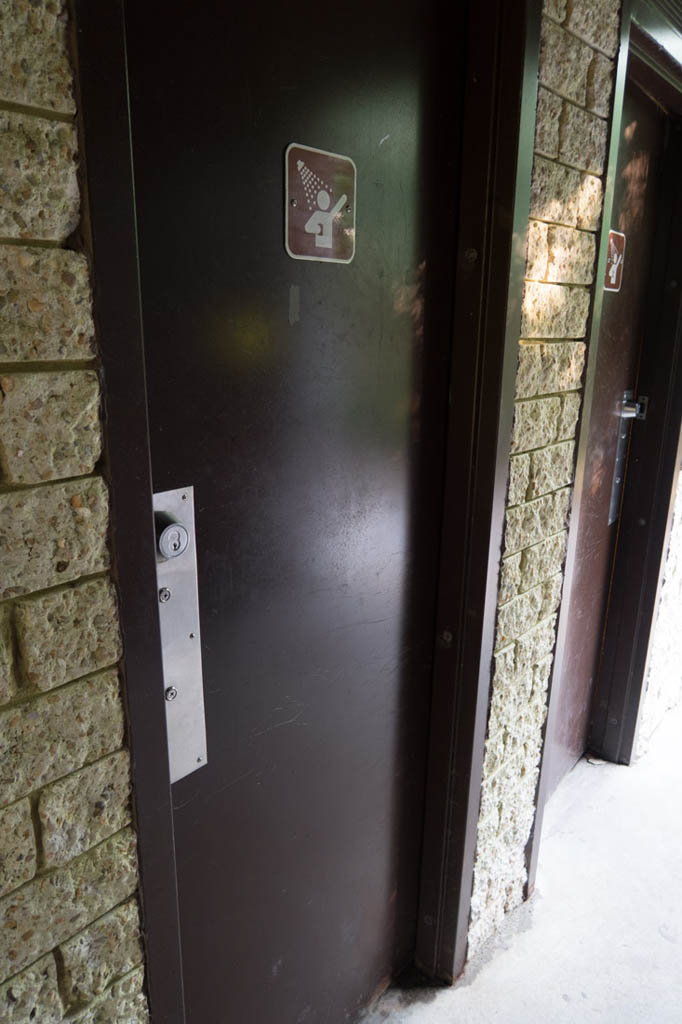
[[176, 573], [624, 414]]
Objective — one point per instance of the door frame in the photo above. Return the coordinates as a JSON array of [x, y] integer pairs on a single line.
[[499, 119], [109, 238], [649, 486], [488, 258], [647, 35]]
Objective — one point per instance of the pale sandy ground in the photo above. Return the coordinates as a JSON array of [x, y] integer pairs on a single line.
[[601, 940]]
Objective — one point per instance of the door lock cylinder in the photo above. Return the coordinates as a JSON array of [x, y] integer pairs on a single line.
[[172, 538]]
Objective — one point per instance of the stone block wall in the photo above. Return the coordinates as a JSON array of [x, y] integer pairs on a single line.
[[70, 945], [579, 42]]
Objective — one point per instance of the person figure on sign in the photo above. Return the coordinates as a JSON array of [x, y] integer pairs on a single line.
[[321, 222]]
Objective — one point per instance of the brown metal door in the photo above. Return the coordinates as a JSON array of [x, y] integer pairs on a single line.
[[306, 404], [622, 327]]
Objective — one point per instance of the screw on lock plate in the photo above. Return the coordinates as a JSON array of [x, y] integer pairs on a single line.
[[171, 693], [164, 595]]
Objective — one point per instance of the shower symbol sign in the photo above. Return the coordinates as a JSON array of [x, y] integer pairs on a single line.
[[615, 257], [320, 195]]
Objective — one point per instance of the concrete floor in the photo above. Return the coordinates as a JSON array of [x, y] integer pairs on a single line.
[[601, 939]]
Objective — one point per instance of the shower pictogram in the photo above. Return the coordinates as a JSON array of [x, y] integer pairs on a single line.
[[318, 193], [320, 205]]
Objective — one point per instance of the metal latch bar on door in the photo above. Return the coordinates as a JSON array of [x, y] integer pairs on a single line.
[[176, 573], [629, 410]]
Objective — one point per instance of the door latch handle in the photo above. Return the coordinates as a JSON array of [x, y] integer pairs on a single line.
[[634, 410]]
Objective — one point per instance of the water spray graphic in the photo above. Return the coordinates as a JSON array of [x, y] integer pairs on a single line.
[[312, 184]]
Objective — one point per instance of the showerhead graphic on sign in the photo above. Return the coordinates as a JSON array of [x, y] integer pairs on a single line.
[[319, 215]]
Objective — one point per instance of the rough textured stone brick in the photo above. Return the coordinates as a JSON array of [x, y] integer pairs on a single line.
[[547, 121], [545, 368], [493, 760], [125, 1002], [551, 595], [570, 409], [555, 9], [524, 725], [487, 832], [537, 255], [541, 675], [519, 470], [107, 949], [535, 423], [53, 907], [32, 997], [35, 70], [554, 311], [504, 751], [582, 139], [551, 468], [564, 62], [577, 312], [39, 187], [81, 810], [521, 755], [49, 425], [510, 693], [571, 256], [52, 534], [483, 923], [516, 825], [8, 685], [554, 192], [496, 761], [529, 594], [504, 666], [58, 733], [17, 847], [518, 616], [535, 645], [512, 801], [542, 560], [45, 306], [530, 523], [503, 876], [564, 195], [600, 85], [519, 776], [510, 578], [597, 22], [588, 213], [501, 860], [67, 633]]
